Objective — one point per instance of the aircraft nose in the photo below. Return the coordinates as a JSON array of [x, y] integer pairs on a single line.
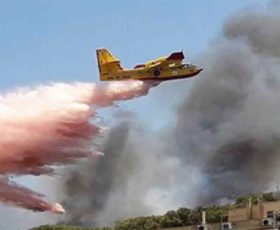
[[199, 69]]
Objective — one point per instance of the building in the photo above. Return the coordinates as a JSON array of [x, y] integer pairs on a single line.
[[258, 211], [249, 217]]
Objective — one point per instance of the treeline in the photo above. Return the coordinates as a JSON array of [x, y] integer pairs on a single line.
[[266, 197], [180, 217], [64, 227]]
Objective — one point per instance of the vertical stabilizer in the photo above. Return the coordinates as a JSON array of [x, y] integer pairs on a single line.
[[107, 64]]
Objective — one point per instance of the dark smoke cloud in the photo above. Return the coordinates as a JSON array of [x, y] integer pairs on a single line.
[[133, 174], [249, 165], [100, 181], [229, 124], [225, 141], [260, 31]]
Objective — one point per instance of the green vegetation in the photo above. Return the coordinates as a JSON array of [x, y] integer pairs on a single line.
[[266, 197], [180, 217], [64, 227]]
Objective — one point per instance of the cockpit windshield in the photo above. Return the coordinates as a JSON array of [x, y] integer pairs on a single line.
[[189, 65]]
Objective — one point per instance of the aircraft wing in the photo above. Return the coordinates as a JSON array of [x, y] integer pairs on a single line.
[[175, 57]]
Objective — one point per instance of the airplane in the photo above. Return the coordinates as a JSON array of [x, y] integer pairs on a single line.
[[160, 69]]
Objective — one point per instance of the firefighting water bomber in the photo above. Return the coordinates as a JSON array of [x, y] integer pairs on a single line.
[[161, 69]]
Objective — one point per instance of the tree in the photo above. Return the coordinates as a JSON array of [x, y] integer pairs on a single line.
[[171, 219], [184, 214], [269, 197]]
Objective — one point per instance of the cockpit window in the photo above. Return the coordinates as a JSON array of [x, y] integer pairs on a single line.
[[188, 65]]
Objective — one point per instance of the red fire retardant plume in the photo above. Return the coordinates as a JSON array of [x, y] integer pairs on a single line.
[[49, 126]]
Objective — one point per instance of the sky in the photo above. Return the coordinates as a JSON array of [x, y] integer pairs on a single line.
[[48, 41], [44, 41]]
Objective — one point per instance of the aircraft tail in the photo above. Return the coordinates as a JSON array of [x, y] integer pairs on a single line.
[[107, 64]]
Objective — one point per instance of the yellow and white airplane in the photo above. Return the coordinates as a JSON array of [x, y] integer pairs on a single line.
[[161, 69]]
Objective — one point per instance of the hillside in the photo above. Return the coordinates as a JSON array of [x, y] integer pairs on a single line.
[[173, 218]]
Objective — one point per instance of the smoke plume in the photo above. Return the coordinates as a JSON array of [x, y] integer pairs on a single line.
[[225, 141], [228, 125], [99, 191], [50, 126], [101, 179]]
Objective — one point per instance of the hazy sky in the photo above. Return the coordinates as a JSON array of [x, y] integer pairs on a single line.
[[55, 40]]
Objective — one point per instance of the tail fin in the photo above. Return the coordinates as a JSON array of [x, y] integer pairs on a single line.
[[107, 64]]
